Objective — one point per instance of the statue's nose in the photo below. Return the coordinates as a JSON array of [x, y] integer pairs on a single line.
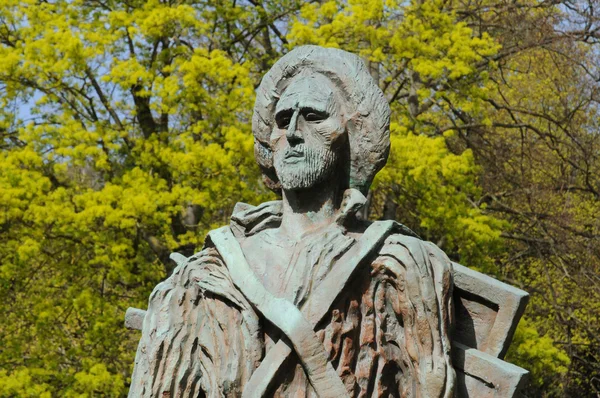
[[293, 134]]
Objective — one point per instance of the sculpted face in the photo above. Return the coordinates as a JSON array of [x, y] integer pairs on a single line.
[[308, 132]]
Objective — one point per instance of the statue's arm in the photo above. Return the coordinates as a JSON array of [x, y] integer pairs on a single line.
[[419, 290], [199, 334]]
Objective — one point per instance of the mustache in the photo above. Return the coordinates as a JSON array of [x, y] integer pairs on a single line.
[[297, 150]]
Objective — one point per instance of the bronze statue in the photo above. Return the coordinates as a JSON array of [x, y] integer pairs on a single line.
[[300, 297]]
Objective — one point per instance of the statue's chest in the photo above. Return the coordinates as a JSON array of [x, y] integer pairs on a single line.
[[291, 269]]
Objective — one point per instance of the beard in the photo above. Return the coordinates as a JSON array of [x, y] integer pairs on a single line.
[[314, 167]]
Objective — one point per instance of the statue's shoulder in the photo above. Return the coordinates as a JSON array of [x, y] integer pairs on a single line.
[[247, 220], [403, 239], [204, 258]]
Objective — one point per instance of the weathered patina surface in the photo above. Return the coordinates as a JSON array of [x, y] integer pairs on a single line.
[[301, 298]]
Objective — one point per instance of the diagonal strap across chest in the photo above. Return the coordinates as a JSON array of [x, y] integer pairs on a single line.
[[298, 325]]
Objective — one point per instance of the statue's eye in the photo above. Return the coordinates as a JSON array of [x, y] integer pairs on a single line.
[[311, 115], [283, 119]]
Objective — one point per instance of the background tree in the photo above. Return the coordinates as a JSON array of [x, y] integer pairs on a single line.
[[125, 135]]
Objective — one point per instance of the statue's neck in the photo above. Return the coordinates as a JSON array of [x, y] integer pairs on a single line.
[[309, 210]]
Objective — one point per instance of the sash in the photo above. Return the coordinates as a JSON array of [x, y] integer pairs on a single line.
[[298, 325]]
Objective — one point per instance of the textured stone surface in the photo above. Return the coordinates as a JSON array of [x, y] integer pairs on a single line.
[[134, 318], [488, 311], [479, 374], [299, 297], [482, 375]]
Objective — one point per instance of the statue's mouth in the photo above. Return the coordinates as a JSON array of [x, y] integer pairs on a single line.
[[293, 155]]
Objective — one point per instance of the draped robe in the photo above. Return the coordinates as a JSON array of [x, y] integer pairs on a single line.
[[386, 335]]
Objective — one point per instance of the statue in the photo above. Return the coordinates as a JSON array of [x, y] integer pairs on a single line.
[[302, 298]]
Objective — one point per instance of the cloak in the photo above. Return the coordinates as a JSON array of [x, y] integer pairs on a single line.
[[385, 334]]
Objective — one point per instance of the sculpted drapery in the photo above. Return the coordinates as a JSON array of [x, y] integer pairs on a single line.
[[298, 297], [387, 335]]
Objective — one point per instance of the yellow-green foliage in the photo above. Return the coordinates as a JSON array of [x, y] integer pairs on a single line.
[[551, 169], [124, 128], [21, 382], [540, 356]]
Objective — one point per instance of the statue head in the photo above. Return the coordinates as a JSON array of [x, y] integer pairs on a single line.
[[319, 115]]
